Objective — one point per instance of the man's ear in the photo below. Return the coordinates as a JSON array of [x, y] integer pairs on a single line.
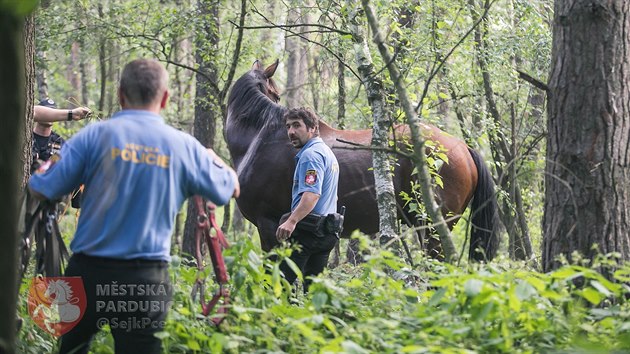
[[121, 98], [164, 99]]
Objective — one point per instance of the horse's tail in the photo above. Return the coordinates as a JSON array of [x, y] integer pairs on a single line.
[[484, 234]]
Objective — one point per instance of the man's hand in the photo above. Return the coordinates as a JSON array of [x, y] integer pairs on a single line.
[[305, 206], [80, 113], [286, 229]]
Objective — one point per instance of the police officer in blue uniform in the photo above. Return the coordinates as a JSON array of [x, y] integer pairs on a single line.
[[51, 250], [137, 172], [46, 142], [313, 222]]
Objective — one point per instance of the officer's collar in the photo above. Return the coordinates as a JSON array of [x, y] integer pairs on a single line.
[[139, 114], [311, 142]]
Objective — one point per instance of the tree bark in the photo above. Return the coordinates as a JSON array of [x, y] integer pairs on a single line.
[[42, 80], [207, 108], [588, 154], [341, 95], [102, 61], [417, 139], [518, 233], [16, 98], [296, 63], [385, 195]]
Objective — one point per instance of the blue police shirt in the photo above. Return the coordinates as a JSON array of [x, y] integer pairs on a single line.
[[137, 172], [316, 171]]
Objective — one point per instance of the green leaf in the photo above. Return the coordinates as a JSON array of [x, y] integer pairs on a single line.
[[473, 287], [193, 344], [514, 301], [352, 348], [294, 268], [601, 288], [592, 296], [437, 297], [524, 290], [18, 7], [253, 259], [319, 300]]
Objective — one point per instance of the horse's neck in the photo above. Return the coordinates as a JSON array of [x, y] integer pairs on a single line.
[[61, 296], [244, 141]]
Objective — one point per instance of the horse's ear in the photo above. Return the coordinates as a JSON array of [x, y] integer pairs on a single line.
[[257, 65], [271, 69]]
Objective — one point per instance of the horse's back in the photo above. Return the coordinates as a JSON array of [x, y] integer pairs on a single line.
[[356, 188]]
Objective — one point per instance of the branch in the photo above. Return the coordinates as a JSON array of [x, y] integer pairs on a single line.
[[418, 141], [196, 71], [273, 25], [443, 60], [299, 25], [237, 51], [357, 146], [535, 82]]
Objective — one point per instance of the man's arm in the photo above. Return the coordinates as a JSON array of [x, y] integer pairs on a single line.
[[48, 115], [304, 207], [220, 162]]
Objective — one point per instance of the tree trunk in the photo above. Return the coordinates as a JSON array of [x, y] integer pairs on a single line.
[[341, 95], [586, 181], [102, 60], [207, 109], [518, 233], [385, 195], [16, 98], [417, 139], [42, 80], [113, 75], [296, 63]]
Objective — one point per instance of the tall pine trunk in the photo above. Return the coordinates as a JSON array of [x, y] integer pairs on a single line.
[[16, 97], [207, 108], [587, 193]]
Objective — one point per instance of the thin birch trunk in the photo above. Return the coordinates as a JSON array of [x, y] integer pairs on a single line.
[[385, 195], [417, 139]]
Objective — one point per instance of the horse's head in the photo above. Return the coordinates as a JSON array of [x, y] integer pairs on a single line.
[[264, 80], [58, 290]]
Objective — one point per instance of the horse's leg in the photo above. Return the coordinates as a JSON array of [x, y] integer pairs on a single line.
[[336, 255], [353, 254], [427, 238], [267, 232]]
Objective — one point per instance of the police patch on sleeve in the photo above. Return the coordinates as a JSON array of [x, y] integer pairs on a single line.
[[311, 177]]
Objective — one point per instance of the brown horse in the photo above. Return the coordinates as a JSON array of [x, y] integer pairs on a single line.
[[264, 159]]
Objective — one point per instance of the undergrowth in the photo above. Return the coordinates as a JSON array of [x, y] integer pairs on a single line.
[[386, 306]]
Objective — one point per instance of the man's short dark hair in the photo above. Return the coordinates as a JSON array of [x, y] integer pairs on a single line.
[[141, 81], [310, 119]]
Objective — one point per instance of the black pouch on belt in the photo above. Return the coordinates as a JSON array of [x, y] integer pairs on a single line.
[[313, 223]]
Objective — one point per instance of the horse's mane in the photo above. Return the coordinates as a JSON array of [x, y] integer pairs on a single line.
[[63, 285], [249, 107]]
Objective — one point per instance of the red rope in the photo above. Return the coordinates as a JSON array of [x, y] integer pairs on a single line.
[[215, 245]]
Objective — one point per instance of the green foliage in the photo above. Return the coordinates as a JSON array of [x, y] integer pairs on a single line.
[[385, 306], [18, 7]]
